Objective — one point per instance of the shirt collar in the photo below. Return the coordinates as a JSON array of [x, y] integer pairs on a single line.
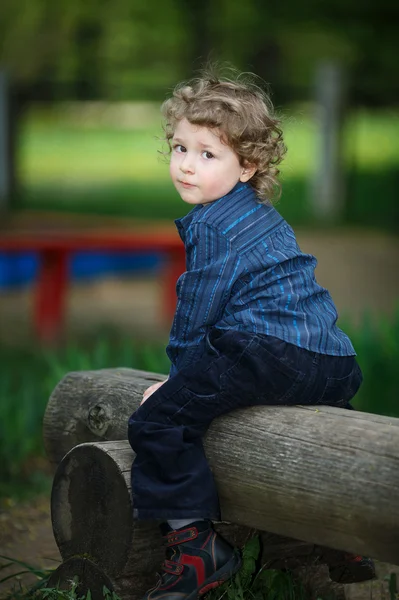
[[183, 223]]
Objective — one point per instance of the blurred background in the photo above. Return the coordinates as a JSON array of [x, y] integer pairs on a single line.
[[81, 85]]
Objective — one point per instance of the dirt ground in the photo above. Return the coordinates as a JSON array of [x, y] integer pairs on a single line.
[[360, 270], [26, 535]]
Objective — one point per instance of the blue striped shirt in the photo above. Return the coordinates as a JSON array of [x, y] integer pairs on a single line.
[[245, 271]]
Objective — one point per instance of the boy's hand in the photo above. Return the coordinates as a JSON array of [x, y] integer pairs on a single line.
[[151, 390]]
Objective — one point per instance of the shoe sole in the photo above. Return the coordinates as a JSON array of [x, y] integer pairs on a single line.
[[219, 577]]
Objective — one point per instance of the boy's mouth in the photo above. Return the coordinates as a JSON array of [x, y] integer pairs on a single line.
[[187, 185]]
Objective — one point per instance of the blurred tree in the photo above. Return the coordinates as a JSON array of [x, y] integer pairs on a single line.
[[93, 47], [283, 42], [198, 48], [124, 49]]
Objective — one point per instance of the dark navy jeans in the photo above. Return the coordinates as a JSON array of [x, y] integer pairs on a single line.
[[171, 478]]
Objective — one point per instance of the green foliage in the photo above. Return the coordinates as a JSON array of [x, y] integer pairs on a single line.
[[40, 591], [377, 344], [98, 48], [19, 591], [23, 396], [27, 378], [393, 587], [112, 49], [118, 170], [71, 593], [252, 583]]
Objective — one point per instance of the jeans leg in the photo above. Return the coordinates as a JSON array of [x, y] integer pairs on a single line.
[[171, 477]]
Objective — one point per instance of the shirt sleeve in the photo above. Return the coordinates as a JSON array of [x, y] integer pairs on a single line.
[[202, 291]]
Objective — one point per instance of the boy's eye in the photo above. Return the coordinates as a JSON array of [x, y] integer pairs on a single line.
[[206, 154], [179, 148]]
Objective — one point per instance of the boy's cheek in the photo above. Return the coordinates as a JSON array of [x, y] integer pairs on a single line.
[[172, 170]]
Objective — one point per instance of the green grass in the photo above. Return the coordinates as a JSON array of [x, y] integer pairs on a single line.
[[55, 149], [27, 378], [252, 582], [81, 166], [377, 346]]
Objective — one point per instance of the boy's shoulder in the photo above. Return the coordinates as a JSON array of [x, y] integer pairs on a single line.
[[238, 214]]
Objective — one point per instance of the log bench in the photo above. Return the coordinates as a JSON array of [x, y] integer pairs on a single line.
[[314, 481]]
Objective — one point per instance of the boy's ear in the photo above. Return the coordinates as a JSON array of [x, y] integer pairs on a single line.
[[247, 172]]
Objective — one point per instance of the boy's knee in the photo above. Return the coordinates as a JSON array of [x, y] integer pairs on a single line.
[[142, 427]]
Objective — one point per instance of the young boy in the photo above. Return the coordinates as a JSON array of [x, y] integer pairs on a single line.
[[252, 325]]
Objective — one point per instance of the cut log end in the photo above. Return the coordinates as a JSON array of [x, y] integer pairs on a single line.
[[91, 508]]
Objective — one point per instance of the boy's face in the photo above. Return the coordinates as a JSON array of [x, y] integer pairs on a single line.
[[202, 167]]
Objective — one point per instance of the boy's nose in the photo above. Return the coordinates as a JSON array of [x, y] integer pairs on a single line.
[[187, 165]]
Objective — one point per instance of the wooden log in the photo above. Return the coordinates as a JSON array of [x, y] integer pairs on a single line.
[[95, 405], [90, 406], [100, 543], [323, 475]]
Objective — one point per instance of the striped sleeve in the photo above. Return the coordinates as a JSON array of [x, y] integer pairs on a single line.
[[202, 291]]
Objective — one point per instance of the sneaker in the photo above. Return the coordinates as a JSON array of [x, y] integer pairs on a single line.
[[197, 560], [353, 569]]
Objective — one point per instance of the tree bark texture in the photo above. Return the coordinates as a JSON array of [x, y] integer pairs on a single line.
[[323, 475], [90, 406]]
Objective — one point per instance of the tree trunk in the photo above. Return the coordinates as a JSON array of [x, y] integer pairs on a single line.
[[328, 194], [101, 544]]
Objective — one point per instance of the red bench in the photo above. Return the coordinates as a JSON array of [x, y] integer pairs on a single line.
[[56, 238]]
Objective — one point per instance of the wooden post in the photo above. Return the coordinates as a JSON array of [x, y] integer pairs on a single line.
[[328, 184], [174, 267], [50, 295]]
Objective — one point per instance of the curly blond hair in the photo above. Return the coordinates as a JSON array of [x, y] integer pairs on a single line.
[[243, 114]]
